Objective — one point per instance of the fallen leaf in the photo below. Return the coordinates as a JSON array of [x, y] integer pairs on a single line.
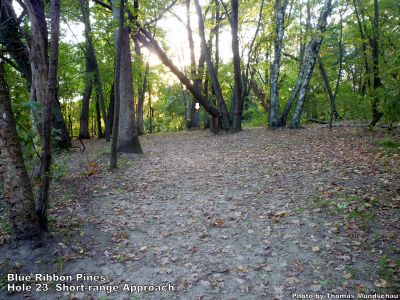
[[381, 284], [315, 249]]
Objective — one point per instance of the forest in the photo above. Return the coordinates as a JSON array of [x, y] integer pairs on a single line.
[[199, 149]]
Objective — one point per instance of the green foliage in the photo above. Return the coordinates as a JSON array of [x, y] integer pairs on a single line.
[[254, 116], [390, 145]]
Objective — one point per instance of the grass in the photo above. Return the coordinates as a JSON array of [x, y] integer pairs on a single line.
[[389, 145], [350, 207]]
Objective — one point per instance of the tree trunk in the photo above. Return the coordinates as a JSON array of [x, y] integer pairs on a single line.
[[328, 91], [111, 107], [17, 189], [211, 70], [364, 49], [117, 72], [11, 38], [151, 111], [339, 76], [45, 82], [84, 118], [260, 95], [194, 121], [142, 88], [207, 122], [292, 98], [312, 51], [98, 118], [274, 78], [376, 114], [237, 73], [140, 106], [92, 67], [152, 45], [128, 138]]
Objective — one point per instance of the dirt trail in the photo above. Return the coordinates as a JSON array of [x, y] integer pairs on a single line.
[[255, 215]]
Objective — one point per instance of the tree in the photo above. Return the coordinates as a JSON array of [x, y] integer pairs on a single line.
[[376, 114], [280, 8], [238, 89], [117, 74], [17, 189], [307, 68], [195, 75], [11, 37], [128, 138], [92, 76], [148, 41], [211, 69], [45, 82]]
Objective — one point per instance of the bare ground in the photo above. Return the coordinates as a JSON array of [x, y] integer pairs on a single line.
[[255, 215]]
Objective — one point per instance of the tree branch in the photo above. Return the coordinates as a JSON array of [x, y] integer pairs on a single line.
[[161, 14]]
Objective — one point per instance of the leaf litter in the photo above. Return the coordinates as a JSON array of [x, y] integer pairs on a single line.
[[257, 214]]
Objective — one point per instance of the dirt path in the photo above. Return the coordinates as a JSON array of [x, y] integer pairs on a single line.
[[255, 215]]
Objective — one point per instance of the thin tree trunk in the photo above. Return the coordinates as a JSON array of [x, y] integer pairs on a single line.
[[292, 98], [142, 88], [248, 76], [194, 113], [91, 59], [151, 44], [140, 106], [274, 78], [211, 70], [117, 72], [207, 123], [11, 38], [111, 107], [17, 189], [238, 89], [98, 118], [364, 47], [312, 51], [260, 95], [328, 90], [47, 94], [339, 76], [151, 111], [376, 114], [84, 118]]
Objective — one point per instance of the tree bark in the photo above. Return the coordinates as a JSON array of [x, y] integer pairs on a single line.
[[364, 48], [98, 118], [140, 106], [211, 70], [237, 73], [45, 81], [328, 91], [17, 189], [117, 73], [128, 138], [11, 38], [142, 87], [84, 118], [274, 77], [194, 113], [151, 44], [93, 68], [292, 98], [376, 114], [312, 51], [111, 107]]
